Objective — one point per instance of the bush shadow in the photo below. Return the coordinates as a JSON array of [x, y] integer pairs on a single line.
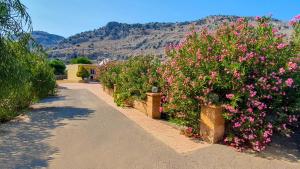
[[23, 144], [283, 148]]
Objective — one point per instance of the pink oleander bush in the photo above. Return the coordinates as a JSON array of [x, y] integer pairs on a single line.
[[249, 69]]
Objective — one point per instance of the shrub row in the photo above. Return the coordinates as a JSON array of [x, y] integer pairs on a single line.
[[251, 70], [133, 78]]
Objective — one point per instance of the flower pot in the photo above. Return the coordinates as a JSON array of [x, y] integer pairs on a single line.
[[212, 123]]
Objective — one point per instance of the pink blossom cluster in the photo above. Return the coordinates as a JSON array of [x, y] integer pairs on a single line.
[[295, 20], [250, 74]]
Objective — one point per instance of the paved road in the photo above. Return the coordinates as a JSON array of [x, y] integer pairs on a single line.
[[77, 130]]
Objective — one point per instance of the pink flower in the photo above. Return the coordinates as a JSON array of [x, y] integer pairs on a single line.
[[250, 110], [289, 82], [229, 96], [189, 130], [251, 137], [292, 22], [161, 109], [281, 46], [252, 93], [274, 30], [236, 33], [240, 19], [231, 109], [262, 58], [297, 17], [242, 48], [270, 126], [199, 56], [237, 124], [213, 75], [284, 126], [237, 74], [257, 18], [262, 106], [281, 71], [292, 66], [251, 119], [170, 80]]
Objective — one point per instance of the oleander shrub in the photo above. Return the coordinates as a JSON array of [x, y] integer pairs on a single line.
[[296, 35], [248, 69], [137, 77], [109, 73]]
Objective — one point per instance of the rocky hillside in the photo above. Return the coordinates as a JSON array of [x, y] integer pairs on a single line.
[[120, 40], [45, 39]]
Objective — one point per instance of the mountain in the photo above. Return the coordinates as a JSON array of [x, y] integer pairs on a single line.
[[121, 40], [45, 39]]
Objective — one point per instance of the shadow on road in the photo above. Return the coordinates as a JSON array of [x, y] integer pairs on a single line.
[[282, 148], [52, 99], [22, 144]]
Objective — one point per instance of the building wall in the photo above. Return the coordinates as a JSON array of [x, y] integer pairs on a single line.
[[73, 69]]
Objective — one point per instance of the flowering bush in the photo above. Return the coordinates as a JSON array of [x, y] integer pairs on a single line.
[[109, 73], [296, 36], [248, 69], [136, 77]]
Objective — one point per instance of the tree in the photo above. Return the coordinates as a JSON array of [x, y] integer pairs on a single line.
[[14, 19], [82, 72], [58, 66], [81, 60], [25, 74]]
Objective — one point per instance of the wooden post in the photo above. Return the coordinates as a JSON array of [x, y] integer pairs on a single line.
[[153, 104], [212, 123]]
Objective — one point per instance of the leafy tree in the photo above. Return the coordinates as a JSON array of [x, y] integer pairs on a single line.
[[81, 60], [13, 18], [82, 72], [58, 66], [25, 74]]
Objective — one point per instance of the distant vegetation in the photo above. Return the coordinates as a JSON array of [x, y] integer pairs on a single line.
[[81, 60], [25, 75], [83, 73], [58, 66]]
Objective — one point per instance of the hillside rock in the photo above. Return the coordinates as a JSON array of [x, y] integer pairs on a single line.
[[45, 39], [121, 40]]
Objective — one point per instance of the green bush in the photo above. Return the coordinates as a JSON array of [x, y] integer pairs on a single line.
[[109, 73], [137, 76], [58, 66], [83, 73], [25, 76], [81, 60]]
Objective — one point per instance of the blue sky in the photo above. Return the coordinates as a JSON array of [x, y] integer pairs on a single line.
[[68, 17]]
